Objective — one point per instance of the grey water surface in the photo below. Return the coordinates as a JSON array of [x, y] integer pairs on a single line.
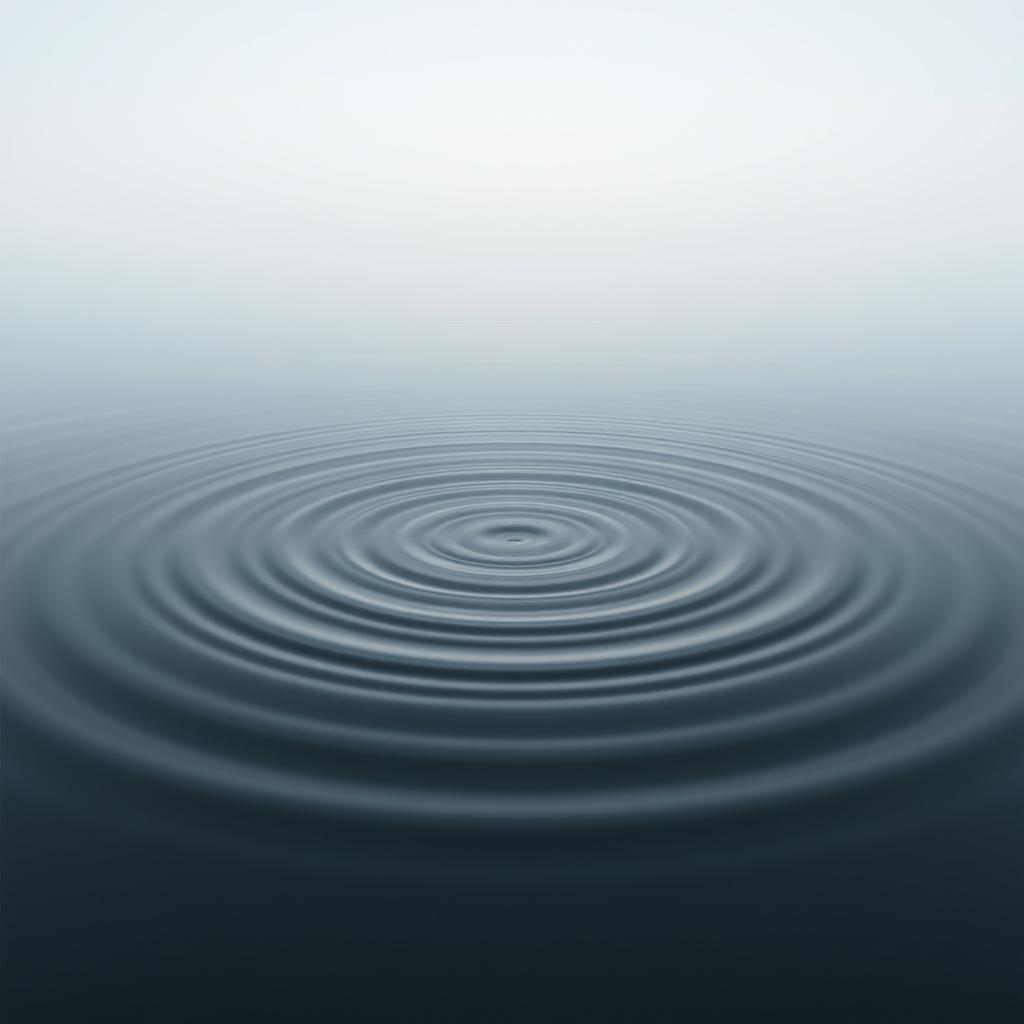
[[675, 693]]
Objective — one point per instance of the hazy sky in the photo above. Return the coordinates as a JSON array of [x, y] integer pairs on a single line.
[[528, 176]]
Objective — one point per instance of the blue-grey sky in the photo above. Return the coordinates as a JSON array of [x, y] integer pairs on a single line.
[[737, 177]]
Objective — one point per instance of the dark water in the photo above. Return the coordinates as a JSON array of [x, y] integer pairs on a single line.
[[422, 700]]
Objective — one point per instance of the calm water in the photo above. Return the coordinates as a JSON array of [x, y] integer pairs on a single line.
[[514, 695]]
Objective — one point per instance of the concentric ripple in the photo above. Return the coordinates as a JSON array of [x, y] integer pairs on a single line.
[[549, 624]]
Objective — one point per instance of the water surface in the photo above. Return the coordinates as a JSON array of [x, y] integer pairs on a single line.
[[427, 675]]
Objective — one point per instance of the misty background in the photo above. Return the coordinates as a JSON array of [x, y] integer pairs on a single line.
[[214, 189]]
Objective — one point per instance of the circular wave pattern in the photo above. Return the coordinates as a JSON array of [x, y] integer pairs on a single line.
[[553, 626]]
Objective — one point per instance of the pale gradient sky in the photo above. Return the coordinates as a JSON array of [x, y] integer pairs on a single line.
[[719, 180]]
